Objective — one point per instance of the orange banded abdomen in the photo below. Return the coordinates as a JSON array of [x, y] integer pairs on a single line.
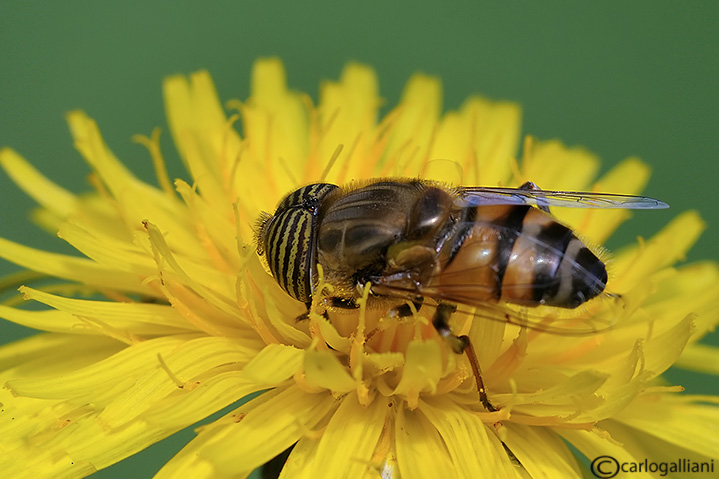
[[521, 255]]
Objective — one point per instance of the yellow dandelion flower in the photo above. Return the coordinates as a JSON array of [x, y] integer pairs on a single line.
[[171, 315]]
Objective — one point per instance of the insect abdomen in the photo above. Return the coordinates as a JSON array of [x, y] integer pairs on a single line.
[[521, 255]]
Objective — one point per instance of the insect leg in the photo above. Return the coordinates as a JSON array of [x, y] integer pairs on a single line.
[[404, 309], [531, 186], [461, 344], [306, 314]]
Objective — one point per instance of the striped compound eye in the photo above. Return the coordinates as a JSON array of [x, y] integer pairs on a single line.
[[288, 239]]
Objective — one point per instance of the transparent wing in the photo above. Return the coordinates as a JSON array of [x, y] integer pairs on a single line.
[[479, 196], [597, 315], [479, 299]]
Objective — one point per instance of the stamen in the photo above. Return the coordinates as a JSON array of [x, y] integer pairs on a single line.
[[169, 373], [152, 144], [333, 160]]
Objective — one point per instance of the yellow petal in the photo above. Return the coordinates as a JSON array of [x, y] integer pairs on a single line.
[[357, 428], [275, 124], [597, 444], [275, 363], [496, 131], [412, 131], [632, 265], [185, 367], [249, 436], [84, 316], [107, 249], [136, 200], [662, 351], [676, 421], [542, 452], [553, 166], [628, 177], [421, 452], [347, 116], [481, 138], [35, 185], [691, 289], [94, 383], [474, 452], [422, 370], [72, 268], [323, 370], [700, 357], [204, 137]]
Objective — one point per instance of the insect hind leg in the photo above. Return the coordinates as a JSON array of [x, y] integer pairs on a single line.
[[461, 344]]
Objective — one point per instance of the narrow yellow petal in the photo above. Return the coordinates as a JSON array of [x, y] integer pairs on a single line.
[[201, 131], [44, 355], [632, 265], [113, 313], [108, 250], [91, 145], [89, 317], [671, 419], [347, 115], [198, 127], [553, 166], [323, 370], [276, 124], [571, 396], [497, 128], [422, 370], [54, 321], [481, 139], [474, 451], [34, 184], [185, 367], [214, 288], [628, 177], [357, 428], [250, 436], [700, 357], [421, 452], [92, 383], [215, 230], [285, 322], [300, 463], [691, 289], [136, 200], [662, 351], [596, 443], [73, 268], [26, 464], [412, 132], [542, 452], [185, 407], [274, 364]]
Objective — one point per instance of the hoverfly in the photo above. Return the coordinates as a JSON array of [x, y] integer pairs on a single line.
[[412, 239]]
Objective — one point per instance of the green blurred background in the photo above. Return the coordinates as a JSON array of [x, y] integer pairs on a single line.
[[622, 78]]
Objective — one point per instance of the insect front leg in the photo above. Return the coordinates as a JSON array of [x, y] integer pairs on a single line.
[[461, 344]]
